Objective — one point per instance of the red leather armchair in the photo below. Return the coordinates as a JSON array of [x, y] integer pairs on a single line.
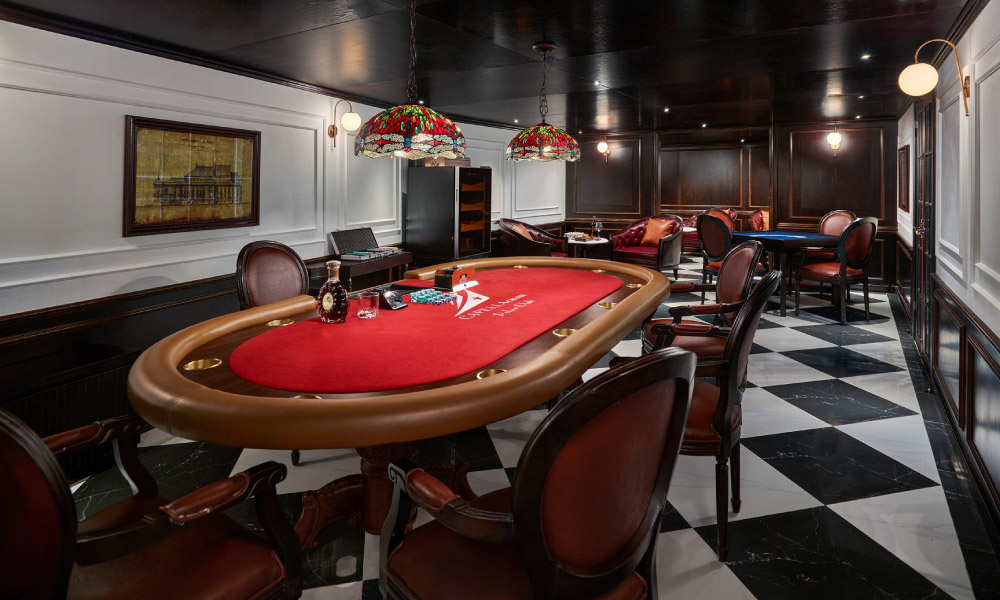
[[566, 529], [522, 239], [627, 245], [144, 546]]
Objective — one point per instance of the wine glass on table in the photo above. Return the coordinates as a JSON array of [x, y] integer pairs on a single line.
[[597, 226]]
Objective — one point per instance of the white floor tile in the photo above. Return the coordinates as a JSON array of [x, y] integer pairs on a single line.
[[896, 387], [316, 468], [916, 526], [903, 439], [591, 373], [786, 340], [771, 368], [889, 352], [688, 569], [510, 435], [158, 437], [628, 348], [484, 482], [764, 490], [764, 414]]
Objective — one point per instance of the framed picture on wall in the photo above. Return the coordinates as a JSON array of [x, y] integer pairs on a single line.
[[903, 181], [188, 177]]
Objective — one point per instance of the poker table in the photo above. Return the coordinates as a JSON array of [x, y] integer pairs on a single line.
[[783, 244], [275, 377]]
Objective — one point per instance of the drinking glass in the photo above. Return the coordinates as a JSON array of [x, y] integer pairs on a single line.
[[367, 305], [598, 229]]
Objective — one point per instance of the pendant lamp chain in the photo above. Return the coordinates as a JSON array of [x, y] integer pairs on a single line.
[[543, 100], [411, 80]]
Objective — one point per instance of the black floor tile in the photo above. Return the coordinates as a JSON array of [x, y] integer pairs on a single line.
[[177, 469], [816, 554], [841, 362], [838, 402], [854, 315], [605, 361], [685, 298], [833, 466], [765, 324], [671, 520], [473, 448], [843, 335], [758, 349], [370, 591]]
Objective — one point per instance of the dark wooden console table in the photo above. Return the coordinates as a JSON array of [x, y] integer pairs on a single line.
[[395, 264]]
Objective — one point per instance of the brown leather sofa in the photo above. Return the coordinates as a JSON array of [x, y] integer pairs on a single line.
[[522, 239], [627, 245]]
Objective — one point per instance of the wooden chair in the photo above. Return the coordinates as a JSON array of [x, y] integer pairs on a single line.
[[758, 221], [713, 427], [141, 547], [852, 256], [729, 216], [627, 245], [582, 517], [522, 239], [715, 233], [267, 272], [731, 289]]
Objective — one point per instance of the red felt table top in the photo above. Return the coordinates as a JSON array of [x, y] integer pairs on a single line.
[[420, 344]]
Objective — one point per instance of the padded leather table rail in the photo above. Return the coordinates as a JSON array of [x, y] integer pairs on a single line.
[[422, 343], [216, 405]]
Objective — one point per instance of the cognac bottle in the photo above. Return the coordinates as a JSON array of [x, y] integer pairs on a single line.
[[332, 303]]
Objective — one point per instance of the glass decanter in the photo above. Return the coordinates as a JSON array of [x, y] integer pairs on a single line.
[[332, 302]]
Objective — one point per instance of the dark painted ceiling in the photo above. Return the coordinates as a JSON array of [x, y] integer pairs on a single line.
[[722, 62]]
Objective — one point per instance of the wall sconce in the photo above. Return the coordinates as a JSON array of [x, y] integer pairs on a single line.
[[350, 121], [920, 78], [835, 139], [604, 149]]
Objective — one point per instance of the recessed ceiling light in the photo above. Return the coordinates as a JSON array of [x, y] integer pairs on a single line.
[[704, 124], [666, 109], [857, 116], [742, 140], [865, 56], [580, 132], [861, 97], [597, 82], [515, 120], [420, 101]]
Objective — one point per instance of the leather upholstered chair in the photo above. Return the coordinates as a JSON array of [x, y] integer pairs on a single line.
[[715, 233], [522, 239], [731, 289], [832, 223], [758, 221], [729, 216], [141, 547], [582, 518], [627, 245], [267, 272], [851, 258], [716, 416], [691, 243]]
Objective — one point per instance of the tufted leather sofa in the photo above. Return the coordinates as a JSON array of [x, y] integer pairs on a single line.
[[626, 245], [539, 243]]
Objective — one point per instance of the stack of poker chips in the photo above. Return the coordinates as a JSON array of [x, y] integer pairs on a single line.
[[434, 297]]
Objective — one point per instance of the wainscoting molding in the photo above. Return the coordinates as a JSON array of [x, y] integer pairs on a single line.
[[965, 368]]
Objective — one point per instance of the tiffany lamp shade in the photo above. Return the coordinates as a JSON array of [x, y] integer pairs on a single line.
[[410, 131], [543, 142]]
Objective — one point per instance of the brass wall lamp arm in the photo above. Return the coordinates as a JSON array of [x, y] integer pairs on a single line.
[[964, 81]]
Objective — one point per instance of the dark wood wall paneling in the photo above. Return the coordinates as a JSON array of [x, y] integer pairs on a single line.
[[965, 368], [618, 190], [904, 277], [808, 181], [696, 178]]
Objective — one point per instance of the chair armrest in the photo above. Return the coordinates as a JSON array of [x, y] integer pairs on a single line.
[[691, 286], [620, 360], [674, 329], [450, 509], [677, 312], [220, 495], [714, 368], [94, 434]]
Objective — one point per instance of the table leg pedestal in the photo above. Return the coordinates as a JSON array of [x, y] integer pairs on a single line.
[[367, 497]]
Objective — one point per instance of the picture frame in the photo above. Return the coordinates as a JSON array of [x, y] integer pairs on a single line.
[[903, 178], [189, 177]]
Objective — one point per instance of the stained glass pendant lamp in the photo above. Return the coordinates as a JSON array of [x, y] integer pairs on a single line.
[[410, 130], [543, 142]]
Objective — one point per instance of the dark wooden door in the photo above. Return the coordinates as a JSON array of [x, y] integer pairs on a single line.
[[923, 226]]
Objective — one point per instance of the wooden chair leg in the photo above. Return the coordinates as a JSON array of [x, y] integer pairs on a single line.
[[734, 472], [295, 458], [675, 274], [704, 277], [798, 294], [867, 316], [722, 507], [844, 291]]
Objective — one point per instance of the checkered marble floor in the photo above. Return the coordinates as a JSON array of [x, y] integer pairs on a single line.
[[853, 485]]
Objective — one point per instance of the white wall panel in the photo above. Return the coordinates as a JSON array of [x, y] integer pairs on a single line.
[[536, 192], [64, 103], [949, 196]]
